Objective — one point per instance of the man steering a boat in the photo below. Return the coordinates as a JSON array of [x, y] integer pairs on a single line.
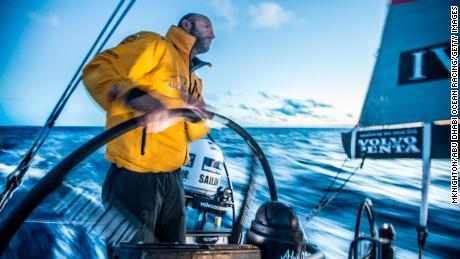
[[150, 74]]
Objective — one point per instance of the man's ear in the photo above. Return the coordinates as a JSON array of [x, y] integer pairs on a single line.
[[186, 25]]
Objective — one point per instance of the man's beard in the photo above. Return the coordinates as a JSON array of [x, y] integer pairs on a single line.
[[200, 44]]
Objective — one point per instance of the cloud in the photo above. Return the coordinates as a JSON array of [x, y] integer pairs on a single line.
[[263, 94], [226, 10], [303, 104], [251, 109], [322, 105], [295, 104], [244, 107], [269, 97], [270, 15], [273, 110], [292, 112], [308, 103], [295, 108], [48, 20]]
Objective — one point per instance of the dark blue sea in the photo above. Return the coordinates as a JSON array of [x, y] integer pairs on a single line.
[[304, 162]]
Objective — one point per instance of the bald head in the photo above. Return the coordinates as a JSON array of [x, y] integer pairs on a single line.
[[191, 17], [200, 27]]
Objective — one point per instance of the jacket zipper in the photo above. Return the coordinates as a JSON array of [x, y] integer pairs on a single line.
[[193, 89], [189, 96], [144, 137], [190, 66], [186, 153], [186, 148]]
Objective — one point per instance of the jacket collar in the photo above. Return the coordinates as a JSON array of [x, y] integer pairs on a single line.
[[198, 63], [181, 39], [184, 43]]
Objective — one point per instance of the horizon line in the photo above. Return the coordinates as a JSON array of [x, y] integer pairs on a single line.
[[345, 126]]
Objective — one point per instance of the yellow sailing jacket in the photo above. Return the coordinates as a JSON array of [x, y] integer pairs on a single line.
[[161, 67]]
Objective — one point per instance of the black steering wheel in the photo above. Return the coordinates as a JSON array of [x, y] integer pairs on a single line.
[[51, 181]]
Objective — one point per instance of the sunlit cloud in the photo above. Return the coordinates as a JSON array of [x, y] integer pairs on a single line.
[[47, 20], [270, 15], [285, 109], [273, 110], [227, 11]]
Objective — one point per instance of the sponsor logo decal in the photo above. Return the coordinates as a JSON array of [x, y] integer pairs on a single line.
[[211, 165], [131, 38], [192, 160], [178, 82], [291, 255], [184, 174], [114, 92], [424, 64], [111, 53], [207, 205], [206, 179], [390, 143], [213, 146]]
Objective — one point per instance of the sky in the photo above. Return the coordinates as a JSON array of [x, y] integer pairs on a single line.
[[275, 63]]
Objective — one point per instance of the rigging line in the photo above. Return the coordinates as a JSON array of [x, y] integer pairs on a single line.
[[324, 202], [230, 184], [50, 121], [323, 198], [120, 19], [14, 178], [53, 115], [249, 196], [88, 54], [60, 107], [333, 181], [338, 190]]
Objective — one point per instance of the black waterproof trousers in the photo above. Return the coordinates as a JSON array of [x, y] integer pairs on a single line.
[[154, 202]]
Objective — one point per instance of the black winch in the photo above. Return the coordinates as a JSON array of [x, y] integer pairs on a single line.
[[278, 234]]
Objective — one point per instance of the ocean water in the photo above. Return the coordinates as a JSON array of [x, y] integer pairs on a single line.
[[304, 163]]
